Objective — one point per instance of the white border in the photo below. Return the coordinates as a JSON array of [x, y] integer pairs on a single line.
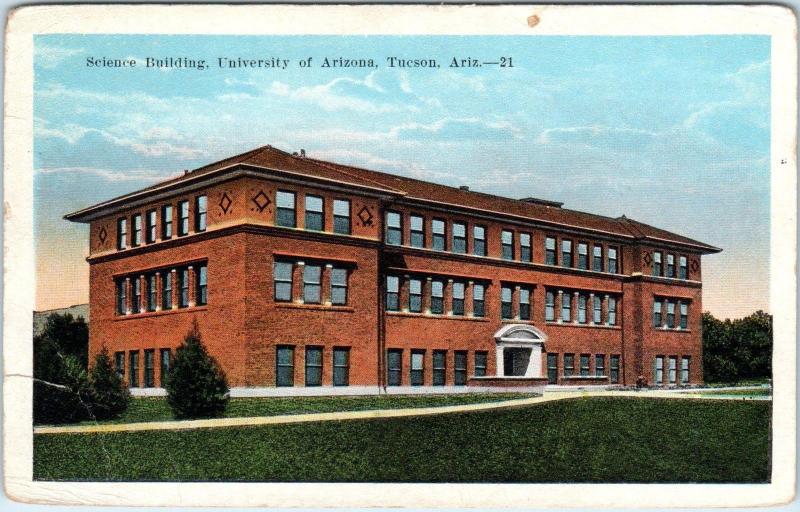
[[779, 22]]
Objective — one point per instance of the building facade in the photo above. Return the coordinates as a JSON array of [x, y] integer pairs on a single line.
[[309, 274]]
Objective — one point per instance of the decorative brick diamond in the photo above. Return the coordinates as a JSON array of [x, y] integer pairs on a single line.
[[225, 203], [695, 266], [261, 201], [647, 258], [102, 235], [366, 216]]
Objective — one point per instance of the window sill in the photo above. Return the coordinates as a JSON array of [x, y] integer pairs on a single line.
[[151, 314], [314, 307], [516, 321], [583, 326], [584, 377], [438, 317], [672, 329]]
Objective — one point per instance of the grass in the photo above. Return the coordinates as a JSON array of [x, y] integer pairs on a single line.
[[735, 392], [580, 440]]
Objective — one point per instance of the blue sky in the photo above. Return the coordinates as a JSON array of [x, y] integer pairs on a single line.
[[672, 131]]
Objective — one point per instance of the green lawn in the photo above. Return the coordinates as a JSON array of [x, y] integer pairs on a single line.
[[735, 392], [578, 440]]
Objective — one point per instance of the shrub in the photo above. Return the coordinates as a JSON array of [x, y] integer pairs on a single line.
[[109, 395], [196, 386], [61, 392]]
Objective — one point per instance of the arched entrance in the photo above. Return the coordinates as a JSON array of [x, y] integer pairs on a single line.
[[519, 351]]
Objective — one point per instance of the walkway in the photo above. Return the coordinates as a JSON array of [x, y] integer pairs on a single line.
[[549, 396]]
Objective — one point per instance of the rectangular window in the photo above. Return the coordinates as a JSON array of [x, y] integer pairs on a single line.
[[552, 368], [480, 364], [659, 370], [183, 218], [394, 228], [612, 311], [437, 297], [315, 216], [136, 302], [458, 298], [597, 309], [505, 302], [166, 359], [312, 284], [166, 290], [657, 320], [183, 287], [200, 213], [479, 240], [151, 226], [338, 286], [282, 275], [417, 226], [684, 309], [566, 253], [313, 366], [670, 265], [584, 365], [670, 314], [122, 234], [415, 295], [152, 292], [460, 368], [524, 304], [673, 369], [550, 251], [549, 306], [525, 253], [459, 238], [284, 366], [119, 364], [394, 366], [599, 365], [583, 256], [201, 288], [133, 369], [614, 369], [569, 365], [122, 296], [166, 222], [341, 216], [439, 367], [285, 209], [438, 231], [682, 270], [597, 258], [612, 260], [507, 241], [685, 369], [478, 304], [136, 239], [417, 367], [341, 366], [149, 367], [656, 263], [392, 293], [582, 309], [566, 307]]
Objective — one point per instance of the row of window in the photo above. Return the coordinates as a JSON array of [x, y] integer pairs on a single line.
[[155, 291], [416, 370], [312, 283], [149, 232], [314, 362], [286, 212], [165, 360], [598, 263], [436, 299], [584, 370], [661, 321], [672, 370], [668, 270], [588, 306]]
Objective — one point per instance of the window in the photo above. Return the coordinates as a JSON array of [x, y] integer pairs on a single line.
[[183, 287], [202, 285], [183, 218], [460, 368], [612, 260], [525, 247], [415, 295], [685, 369], [284, 366], [166, 222], [566, 308], [119, 364], [656, 263], [200, 213], [152, 292], [599, 365], [612, 311], [166, 359], [459, 238], [136, 303], [151, 226], [478, 294], [285, 209], [341, 216], [597, 310], [597, 258], [392, 293], [341, 366], [549, 306], [569, 365], [315, 220], [659, 370], [394, 362], [122, 296], [673, 369], [566, 253], [312, 285], [583, 256], [439, 367], [505, 302], [614, 369], [524, 304], [657, 320], [313, 366], [584, 365], [437, 297], [684, 309], [507, 241], [149, 356], [417, 225], [670, 314], [479, 240], [682, 270], [133, 369], [670, 265], [458, 298], [166, 290], [282, 274], [438, 230], [394, 228], [136, 239], [122, 234], [480, 364], [552, 368], [338, 286], [581, 309], [417, 367], [550, 251]]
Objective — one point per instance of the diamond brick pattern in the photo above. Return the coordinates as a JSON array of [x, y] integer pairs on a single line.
[[261, 201], [102, 235], [225, 203], [365, 216]]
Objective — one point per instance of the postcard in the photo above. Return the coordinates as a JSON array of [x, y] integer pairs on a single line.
[[400, 255]]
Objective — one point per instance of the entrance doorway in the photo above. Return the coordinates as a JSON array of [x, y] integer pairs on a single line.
[[515, 361]]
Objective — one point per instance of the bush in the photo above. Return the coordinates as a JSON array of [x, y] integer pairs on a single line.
[[61, 392], [109, 395], [196, 386], [735, 350]]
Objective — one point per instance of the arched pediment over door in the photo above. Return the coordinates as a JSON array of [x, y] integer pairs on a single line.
[[519, 350]]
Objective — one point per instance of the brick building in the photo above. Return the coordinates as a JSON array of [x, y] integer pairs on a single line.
[[328, 278]]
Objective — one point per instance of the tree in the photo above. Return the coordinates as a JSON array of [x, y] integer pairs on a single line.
[[61, 391], [71, 335], [737, 349], [196, 386], [109, 395]]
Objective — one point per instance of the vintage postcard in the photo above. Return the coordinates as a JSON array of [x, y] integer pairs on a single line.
[[418, 256]]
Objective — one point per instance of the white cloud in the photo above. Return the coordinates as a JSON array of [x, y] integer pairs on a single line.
[[50, 56], [326, 97], [138, 175]]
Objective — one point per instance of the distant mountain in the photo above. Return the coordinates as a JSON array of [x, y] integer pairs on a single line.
[[40, 317]]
